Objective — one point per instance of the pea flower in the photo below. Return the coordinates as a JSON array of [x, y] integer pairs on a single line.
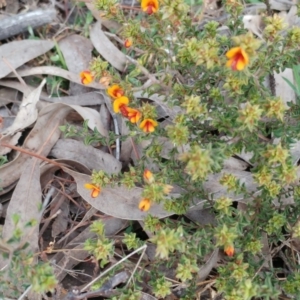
[[115, 91], [144, 204], [148, 176], [120, 105], [150, 6], [229, 249], [86, 77], [238, 59], [148, 125], [128, 43], [95, 189], [133, 114]]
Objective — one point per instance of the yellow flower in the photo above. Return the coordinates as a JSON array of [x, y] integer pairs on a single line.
[[148, 125], [86, 77], [133, 114], [128, 43], [120, 103], [150, 6], [229, 249], [115, 91], [148, 176], [95, 189], [144, 204], [238, 59]]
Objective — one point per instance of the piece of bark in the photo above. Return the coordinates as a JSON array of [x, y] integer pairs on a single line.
[[13, 25]]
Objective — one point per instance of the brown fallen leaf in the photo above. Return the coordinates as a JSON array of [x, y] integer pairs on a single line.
[[17, 53], [106, 48], [77, 52], [87, 155], [27, 114], [117, 201], [26, 203]]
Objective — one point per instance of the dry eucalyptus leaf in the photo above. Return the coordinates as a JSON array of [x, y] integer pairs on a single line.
[[28, 113], [87, 155], [233, 163], [205, 270], [254, 24], [106, 48], [93, 118], [91, 98], [17, 53], [60, 223], [213, 187], [282, 88], [55, 71], [25, 202], [117, 201], [77, 52], [146, 296], [40, 140]]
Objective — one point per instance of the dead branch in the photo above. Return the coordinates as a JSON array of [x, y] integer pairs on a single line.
[[13, 25]]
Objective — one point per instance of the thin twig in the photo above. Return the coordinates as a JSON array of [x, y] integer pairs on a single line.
[[25, 293], [32, 154], [110, 268], [135, 268]]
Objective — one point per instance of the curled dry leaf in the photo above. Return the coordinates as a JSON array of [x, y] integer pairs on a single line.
[[211, 262], [77, 52], [17, 53], [27, 114], [213, 187], [117, 201], [106, 48]]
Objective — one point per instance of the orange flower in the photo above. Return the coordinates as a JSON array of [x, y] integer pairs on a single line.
[[148, 125], [86, 77], [115, 91], [120, 104], [229, 249], [150, 6], [128, 43], [148, 176], [95, 189], [144, 204], [133, 114], [238, 59]]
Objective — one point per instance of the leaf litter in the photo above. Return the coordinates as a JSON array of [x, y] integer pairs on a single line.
[[30, 178]]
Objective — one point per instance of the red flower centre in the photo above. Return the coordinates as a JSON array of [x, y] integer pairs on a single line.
[[118, 93], [148, 126], [150, 8], [124, 111], [238, 57]]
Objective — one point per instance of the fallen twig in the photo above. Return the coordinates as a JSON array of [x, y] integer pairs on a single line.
[[16, 24]]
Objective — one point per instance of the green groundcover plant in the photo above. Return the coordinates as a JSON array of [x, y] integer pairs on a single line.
[[212, 86]]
